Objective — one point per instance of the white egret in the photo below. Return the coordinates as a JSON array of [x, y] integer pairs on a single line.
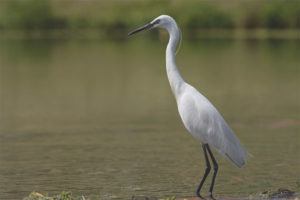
[[199, 116]]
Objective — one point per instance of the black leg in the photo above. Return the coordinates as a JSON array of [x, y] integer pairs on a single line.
[[215, 172], [204, 146]]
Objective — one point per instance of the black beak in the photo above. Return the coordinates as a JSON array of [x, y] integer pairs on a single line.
[[147, 26]]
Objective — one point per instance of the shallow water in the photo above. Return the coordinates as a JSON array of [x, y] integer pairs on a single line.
[[98, 118]]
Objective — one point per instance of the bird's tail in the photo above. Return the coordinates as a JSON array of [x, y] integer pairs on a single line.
[[229, 146], [237, 155]]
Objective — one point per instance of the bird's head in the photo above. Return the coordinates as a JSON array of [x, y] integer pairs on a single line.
[[163, 21]]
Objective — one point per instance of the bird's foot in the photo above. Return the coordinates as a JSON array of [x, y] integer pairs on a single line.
[[198, 195], [211, 197]]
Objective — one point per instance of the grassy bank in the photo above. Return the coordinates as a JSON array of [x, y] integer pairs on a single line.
[[114, 16]]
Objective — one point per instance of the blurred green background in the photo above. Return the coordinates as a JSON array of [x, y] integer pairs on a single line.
[[114, 16]]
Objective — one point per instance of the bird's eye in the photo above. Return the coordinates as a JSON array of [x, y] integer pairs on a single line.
[[157, 21]]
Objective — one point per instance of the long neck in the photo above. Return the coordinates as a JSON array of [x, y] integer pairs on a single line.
[[175, 79]]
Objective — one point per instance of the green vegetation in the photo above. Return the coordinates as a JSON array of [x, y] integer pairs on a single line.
[[39, 196], [119, 15], [278, 16], [204, 15], [29, 14]]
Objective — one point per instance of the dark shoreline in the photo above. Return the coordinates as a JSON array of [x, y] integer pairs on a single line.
[[122, 34]]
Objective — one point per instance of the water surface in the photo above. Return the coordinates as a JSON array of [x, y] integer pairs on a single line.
[[98, 118]]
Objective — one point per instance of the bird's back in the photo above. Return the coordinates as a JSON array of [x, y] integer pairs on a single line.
[[206, 124]]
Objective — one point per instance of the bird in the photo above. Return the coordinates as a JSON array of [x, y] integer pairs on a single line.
[[197, 113]]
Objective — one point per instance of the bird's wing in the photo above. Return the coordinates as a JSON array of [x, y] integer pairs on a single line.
[[205, 123], [225, 142]]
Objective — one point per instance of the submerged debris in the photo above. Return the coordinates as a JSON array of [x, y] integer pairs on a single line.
[[282, 193]]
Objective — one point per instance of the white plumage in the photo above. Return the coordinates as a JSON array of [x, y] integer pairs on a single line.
[[199, 116], [206, 124]]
